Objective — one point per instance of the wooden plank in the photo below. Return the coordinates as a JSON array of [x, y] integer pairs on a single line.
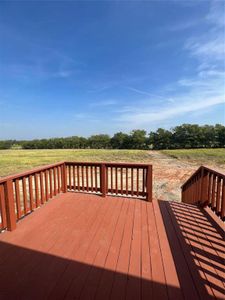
[[134, 272], [159, 290], [120, 279], [107, 278], [146, 272], [198, 282], [172, 281], [70, 279], [93, 279]]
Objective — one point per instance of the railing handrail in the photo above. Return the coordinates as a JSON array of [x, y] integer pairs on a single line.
[[199, 171], [30, 172], [119, 164]]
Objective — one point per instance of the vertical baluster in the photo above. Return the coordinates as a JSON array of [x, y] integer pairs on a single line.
[[223, 200], [116, 179], [82, 174], [74, 178], [46, 185], [96, 179], [87, 181], [50, 183], [137, 181], [112, 186], [78, 177], [18, 204], [31, 192], [126, 180], [58, 179], [24, 195], [214, 192], [69, 171], [55, 186], [92, 178], [37, 200], [42, 188], [218, 193], [2, 207], [121, 180], [132, 181], [143, 181]]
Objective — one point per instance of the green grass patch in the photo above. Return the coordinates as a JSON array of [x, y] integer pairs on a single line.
[[14, 161], [201, 155]]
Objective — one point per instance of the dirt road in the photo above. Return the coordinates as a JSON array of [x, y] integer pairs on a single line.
[[170, 173]]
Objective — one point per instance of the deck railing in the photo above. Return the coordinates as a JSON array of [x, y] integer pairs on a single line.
[[20, 194], [121, 179], [206, 187]]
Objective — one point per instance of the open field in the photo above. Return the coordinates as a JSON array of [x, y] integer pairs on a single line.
[[203, 156], [171, 168]]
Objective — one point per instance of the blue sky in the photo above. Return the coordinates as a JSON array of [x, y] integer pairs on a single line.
[[81, 68]]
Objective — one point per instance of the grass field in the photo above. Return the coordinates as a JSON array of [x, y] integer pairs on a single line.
[[199, 155], [171, 168], [14, 161]]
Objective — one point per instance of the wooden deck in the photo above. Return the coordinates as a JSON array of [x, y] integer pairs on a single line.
[[82, 246]]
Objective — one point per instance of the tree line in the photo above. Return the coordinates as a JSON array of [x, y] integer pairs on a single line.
[[184, 136]]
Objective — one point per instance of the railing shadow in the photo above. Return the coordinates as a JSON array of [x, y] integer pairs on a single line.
[[202, 243], [29, 274]]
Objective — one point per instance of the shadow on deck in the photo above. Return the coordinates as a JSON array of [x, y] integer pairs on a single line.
[[82, 246]]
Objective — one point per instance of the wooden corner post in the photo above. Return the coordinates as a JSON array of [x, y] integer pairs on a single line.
[[64, 178], [103, 180], [10, 206], [149, 183]]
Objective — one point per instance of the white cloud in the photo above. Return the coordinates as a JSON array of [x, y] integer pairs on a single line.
[[189, 95], [103, 103]]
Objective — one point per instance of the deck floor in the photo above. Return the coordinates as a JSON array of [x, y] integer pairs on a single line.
[[82, 246]]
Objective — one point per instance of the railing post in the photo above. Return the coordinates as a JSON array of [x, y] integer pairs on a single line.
[[64, 178], [204, 188], [149, 183], [10, 206], [103, 180]]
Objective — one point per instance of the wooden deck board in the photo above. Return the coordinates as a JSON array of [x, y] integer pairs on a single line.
[[82, 246]]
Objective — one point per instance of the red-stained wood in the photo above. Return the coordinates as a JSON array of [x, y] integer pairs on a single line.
[[24, 184], [55, 183], [58, 180], [31, 197], [46, 185], [37, 199], [78, 177], [114, 248], [17, 194], [9, 205], [42, 188], [87, 179], [50, 184], [2, 207], [218, 194], [96, 179], [82, 177], [132, 181]]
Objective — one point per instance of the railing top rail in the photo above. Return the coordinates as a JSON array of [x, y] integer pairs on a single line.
[[199, 170], [30, 172], [119, 164]]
